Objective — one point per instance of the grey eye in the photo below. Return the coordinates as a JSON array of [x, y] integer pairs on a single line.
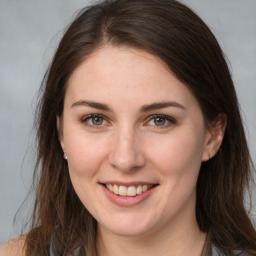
[[159, 121], [94, 120], [97, 120]]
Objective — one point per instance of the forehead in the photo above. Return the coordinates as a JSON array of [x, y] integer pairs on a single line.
[[126, 75], [119, 61]]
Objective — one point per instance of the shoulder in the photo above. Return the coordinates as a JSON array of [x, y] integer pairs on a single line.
[[14, 247]]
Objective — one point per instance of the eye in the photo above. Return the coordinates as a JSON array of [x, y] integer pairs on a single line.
[[94, 120], [161, 121]]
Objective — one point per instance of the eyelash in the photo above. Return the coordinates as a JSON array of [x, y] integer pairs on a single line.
[[87, 118], [165, 118], [169, 119]]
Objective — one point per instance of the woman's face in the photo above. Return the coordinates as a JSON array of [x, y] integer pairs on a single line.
[[135, 138]]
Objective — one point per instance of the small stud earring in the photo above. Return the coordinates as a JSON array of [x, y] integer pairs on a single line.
[[65, 156]]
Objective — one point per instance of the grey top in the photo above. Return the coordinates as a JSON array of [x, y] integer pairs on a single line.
[[215, 252]]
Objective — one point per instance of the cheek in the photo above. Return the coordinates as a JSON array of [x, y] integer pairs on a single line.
[[178, 160], [85, 154], [178, 154]]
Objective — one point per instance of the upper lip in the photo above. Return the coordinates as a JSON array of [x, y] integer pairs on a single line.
[[128, 184]]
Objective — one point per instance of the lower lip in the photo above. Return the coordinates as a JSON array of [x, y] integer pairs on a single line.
[[127, 201]]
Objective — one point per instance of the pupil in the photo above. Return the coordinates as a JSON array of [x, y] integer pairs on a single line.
[[97, 120], [159, 121]]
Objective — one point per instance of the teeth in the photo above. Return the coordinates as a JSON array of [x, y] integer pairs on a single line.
[[131, 191], [122, 191], [128, 191], [139, 189], [115, 189]]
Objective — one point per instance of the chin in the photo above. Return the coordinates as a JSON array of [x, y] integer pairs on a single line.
[[127, 226], [128, 231]]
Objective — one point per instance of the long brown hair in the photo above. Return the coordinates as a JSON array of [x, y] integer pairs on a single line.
[[174, 33]]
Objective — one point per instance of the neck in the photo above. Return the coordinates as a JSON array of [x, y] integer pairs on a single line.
[[182, 240]]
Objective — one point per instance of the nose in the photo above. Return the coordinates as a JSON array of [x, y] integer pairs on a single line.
[[126, 154]]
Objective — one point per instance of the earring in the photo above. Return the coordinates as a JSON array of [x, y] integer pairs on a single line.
[[209, 155], [65, 156]]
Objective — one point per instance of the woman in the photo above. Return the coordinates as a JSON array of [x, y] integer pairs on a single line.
[[140, 152]]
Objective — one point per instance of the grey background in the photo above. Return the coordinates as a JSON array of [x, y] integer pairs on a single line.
[[29, 32]]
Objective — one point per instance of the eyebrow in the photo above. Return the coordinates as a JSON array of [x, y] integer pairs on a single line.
[[160, 105], [144, 108], [92, 104]]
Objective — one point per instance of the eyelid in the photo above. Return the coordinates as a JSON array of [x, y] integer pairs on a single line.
[[171, 120], [84, 118], [88, 117]]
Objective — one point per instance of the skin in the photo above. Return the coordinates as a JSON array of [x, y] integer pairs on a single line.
[[15, 247], [127, 144]]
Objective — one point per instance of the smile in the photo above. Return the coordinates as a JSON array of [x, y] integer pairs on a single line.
[[130, 191]]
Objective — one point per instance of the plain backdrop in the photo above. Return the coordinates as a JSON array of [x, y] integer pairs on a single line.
[[29, 33]]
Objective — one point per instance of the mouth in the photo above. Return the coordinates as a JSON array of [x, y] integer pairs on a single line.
[[128, 191]]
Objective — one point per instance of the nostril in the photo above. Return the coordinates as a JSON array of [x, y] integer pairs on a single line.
[[129, 162], [126, 154]]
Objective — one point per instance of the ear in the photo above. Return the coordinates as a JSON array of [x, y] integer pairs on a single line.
[[214, 137], [60, 132]]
